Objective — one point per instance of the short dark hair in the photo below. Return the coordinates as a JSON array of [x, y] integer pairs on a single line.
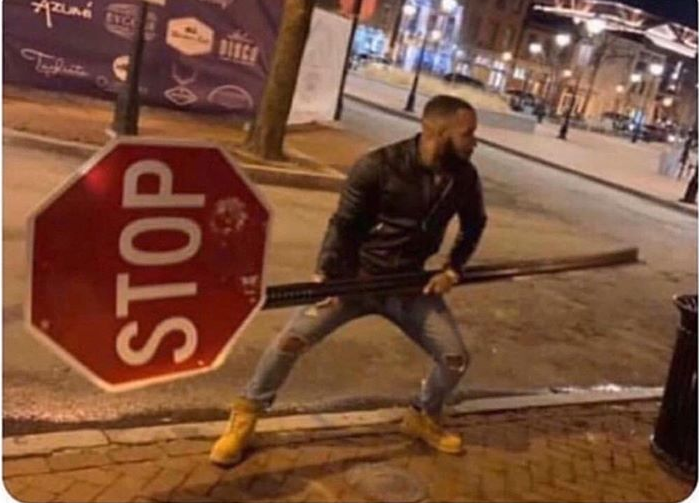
[[443, 106]]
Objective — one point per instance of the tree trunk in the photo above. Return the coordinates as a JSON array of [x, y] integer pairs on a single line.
[[266, 137]]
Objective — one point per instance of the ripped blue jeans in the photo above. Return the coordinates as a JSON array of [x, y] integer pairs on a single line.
[[425, 319]]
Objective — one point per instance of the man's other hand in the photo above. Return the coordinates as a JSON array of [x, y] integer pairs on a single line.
[[441, 283]]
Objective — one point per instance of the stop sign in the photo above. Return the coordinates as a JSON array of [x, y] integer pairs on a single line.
[[146, 265]]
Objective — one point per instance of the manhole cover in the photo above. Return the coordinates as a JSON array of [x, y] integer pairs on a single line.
[[381, 482]]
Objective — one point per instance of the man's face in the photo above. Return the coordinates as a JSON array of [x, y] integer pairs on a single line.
[[460, 136]]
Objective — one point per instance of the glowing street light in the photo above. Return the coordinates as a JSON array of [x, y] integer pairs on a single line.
[[620, 89], [507, 56], [656, 69], [449, 6], [409, 10], [595, 26], [635, 78], [567, 73], [535, 48], [563, 39], [435, 35], [668, 101]]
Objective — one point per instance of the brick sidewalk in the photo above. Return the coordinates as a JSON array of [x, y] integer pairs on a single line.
[[567, 453]]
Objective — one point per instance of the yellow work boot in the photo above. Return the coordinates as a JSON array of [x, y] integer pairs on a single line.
[[228, 449], [417, 424]]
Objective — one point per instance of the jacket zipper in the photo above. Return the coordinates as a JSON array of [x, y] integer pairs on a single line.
[[442, 196]]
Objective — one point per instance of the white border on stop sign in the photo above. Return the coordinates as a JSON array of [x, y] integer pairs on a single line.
[[79, 173]]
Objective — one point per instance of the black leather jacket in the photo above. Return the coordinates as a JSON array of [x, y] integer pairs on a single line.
[[393, 213]]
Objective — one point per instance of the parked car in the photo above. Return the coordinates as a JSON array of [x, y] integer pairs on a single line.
[[460, 78], [521, 101], [615, 121]]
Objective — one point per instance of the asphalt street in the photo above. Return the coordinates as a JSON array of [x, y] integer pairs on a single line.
[[577, 329]]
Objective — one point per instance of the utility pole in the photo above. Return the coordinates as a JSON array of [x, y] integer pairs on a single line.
[[126, 112]]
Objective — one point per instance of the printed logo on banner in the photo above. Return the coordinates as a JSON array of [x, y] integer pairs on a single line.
[[120, 19], [221, 3], [239, 47], [190, 36], [50, 7], [120, 67], [231, 97], [52, 66], [181, 95]]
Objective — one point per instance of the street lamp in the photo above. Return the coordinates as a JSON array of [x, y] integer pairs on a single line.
[[433, 36], [507, 56], [535, 48], [656, 70], [567, 73], [620, 89], [406, 12], [448, 6], [563, 40], [595, 26]]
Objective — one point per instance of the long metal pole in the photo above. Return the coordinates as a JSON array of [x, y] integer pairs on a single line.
[[356, 9], [128, 103], [306, 293], [410, 105]]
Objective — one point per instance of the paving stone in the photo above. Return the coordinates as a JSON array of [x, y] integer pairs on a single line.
[[143, 470], [52, 482], [34, 495], [202, 478], [135, 453], [16, 484], [180, 447], [101, 476], [76, 460], [80, 492], [122, 489], [25, 466], [163, 484]]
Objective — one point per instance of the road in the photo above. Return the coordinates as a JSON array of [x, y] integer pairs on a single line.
[[582, 329]]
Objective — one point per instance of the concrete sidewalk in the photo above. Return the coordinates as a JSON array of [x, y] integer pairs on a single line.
[[612, 161], [590, 452]]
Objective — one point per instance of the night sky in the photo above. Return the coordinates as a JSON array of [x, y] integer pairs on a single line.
[[681, 11]]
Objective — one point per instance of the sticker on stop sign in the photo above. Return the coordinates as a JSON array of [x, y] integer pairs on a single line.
[[148, 263]]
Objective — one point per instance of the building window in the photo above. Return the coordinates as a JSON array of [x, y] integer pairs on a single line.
[[519, 73]]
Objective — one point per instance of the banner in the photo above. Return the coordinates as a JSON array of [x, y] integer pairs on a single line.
[[320, 74], [200, 55]]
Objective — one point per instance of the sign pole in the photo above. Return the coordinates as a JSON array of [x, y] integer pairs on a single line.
[[127, 106]]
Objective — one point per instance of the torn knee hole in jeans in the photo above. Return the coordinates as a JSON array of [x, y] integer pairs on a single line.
[[455, 362], [293, 344]]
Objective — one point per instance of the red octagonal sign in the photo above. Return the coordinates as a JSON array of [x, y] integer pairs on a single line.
[[146, 265]]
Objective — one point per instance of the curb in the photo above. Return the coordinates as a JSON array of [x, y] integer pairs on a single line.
[[257, 173], [571, 171], [47, 443]]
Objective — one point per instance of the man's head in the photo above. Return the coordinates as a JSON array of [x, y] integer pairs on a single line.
[[448, 130]]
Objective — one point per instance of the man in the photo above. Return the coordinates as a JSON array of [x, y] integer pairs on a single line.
[[392, 215]]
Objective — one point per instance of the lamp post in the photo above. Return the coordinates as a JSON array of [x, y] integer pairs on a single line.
[[562, 41], [446, 7], [434, 36], [593, 27], [655, 70], [407, 11], [356, 9], [535, 49]]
